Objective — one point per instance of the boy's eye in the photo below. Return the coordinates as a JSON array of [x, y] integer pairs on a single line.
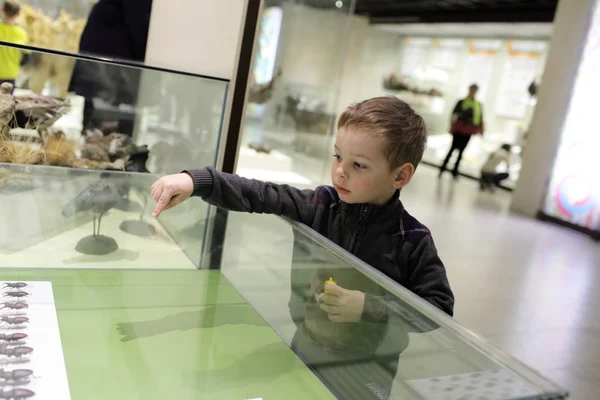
[[337, 157], [359, 165]]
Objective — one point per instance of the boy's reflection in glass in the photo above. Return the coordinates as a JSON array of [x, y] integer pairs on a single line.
[[354, 360]]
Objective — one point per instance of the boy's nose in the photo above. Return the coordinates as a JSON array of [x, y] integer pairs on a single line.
[[341, 173]]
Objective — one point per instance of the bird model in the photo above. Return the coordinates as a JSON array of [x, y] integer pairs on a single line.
[[98, 197], [7, 107]]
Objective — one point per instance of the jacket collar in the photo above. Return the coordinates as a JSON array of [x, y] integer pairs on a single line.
[[373, 217]]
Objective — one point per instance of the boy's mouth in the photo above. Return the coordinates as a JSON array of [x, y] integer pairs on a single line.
[[341, 190]]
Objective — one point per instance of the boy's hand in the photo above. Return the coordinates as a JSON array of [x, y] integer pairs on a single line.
[[170, 191], [342, 305]]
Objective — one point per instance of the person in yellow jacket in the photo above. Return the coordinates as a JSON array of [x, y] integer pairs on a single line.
[[466, 121], [10, 58]]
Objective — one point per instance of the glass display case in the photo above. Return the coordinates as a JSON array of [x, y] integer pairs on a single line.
[[205, 304], [294, 91], [108, 114]]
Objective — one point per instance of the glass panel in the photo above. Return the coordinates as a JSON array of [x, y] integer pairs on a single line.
[[134, 310], [110, 116], [54, 8], [177, 116], [294, 93], [416, 353], [52, 217], [102, 28]]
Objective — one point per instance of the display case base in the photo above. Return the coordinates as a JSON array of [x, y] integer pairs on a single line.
[[97, 245], [138, 228]]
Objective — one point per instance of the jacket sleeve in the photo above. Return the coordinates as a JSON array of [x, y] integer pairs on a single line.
[[427, 279], [248, 195]]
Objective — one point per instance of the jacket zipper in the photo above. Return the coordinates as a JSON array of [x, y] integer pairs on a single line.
[[359, 229], [363, 217]]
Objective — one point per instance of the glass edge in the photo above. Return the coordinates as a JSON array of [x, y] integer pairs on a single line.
[[64, 171], [109, 60], [474, 340], [95, 269], [221, 125]]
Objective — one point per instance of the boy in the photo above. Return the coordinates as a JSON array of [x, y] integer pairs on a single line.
[[379, 144], [490, 177], [10, 58]]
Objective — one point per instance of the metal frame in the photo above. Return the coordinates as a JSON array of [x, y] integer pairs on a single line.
[[235, 123], [108, 60]]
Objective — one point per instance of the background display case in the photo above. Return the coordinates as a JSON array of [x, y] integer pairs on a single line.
[[205, 304]]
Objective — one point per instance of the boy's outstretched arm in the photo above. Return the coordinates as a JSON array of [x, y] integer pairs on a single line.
[[234, 193]]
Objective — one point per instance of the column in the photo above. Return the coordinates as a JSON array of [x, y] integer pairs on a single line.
[[572, 25]]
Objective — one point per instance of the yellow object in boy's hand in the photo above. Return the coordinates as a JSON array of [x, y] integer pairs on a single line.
[[331, 282], [342, 305]]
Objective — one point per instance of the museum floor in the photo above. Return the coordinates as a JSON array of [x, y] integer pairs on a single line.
[[527, 286]]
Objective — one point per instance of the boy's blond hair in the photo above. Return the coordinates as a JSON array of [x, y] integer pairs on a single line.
[[403, 130]]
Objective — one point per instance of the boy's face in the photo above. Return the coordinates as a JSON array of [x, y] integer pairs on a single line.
[[360, 171]]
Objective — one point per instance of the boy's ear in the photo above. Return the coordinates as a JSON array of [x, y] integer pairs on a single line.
[[403, 174]]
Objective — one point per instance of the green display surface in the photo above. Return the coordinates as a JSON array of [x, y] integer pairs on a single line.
[[140, 334]]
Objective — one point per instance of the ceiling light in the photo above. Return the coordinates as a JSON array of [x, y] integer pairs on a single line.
[[339, 4]]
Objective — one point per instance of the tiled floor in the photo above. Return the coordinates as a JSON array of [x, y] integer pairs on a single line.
[[527, 286]]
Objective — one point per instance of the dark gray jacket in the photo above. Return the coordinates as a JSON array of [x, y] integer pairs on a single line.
[[385, 237]]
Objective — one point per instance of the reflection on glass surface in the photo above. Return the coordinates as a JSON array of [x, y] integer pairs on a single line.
[[293, 98], [414, 352]]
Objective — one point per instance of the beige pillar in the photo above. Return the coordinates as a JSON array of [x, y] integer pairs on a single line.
[[571, 27]]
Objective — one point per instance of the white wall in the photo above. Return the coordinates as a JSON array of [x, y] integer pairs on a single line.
[[453, 92], [371, 56], [197, 36]]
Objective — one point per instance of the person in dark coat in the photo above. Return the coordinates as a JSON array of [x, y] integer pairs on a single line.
[[115, 29]]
